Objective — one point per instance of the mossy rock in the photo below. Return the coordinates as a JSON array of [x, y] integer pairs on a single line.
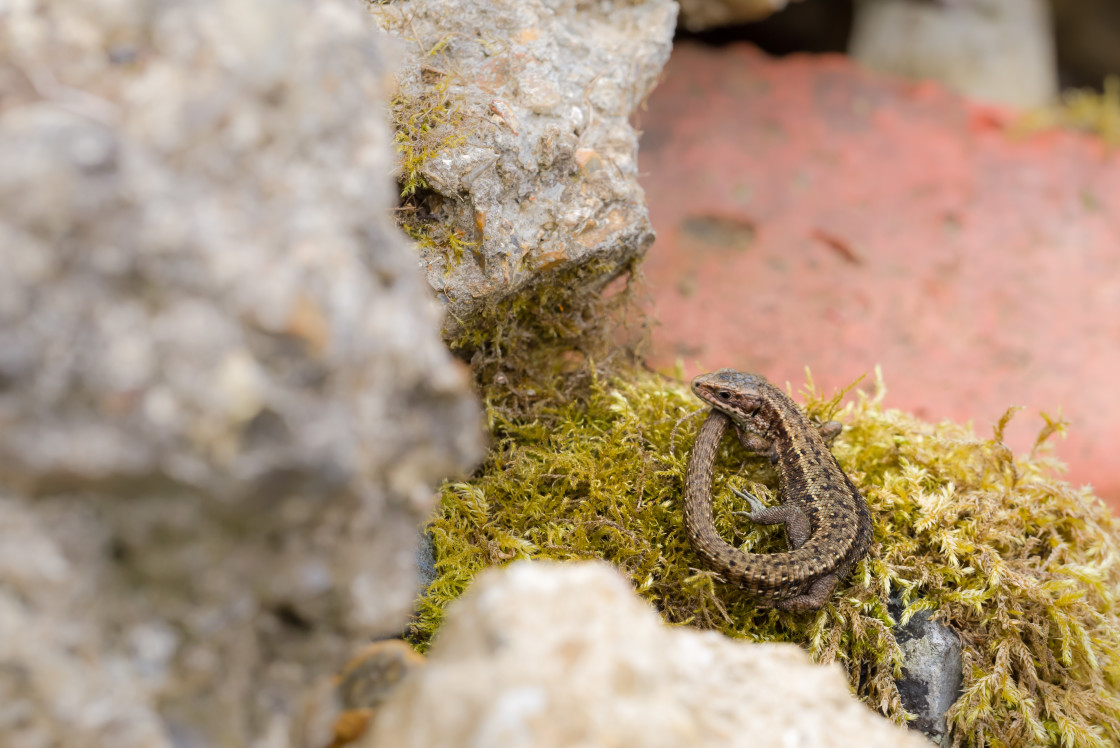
[[1023, 566]]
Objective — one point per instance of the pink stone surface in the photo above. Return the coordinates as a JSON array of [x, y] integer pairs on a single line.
[[810, 213]]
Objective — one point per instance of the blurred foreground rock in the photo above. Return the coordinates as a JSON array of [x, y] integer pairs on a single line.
[[542, 655], [513, 119], [223, 400]]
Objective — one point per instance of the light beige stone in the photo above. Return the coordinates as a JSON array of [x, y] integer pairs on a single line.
[[541, 655], [999, 51]]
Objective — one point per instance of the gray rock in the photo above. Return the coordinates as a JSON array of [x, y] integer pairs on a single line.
[[224, 402], [540, 655], [533, 158], [426, 560], [932, 671]]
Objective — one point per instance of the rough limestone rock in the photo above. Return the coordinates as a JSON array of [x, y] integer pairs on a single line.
[[533, 163], [700, 15], [541, 655], [1001, 51], [223, 398]]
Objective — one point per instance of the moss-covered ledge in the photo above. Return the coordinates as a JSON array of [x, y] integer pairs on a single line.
[[1023, 566]]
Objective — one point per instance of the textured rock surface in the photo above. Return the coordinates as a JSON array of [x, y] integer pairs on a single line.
[[932, 671], [545, 181], [223, 400], [993, 50], [547, 655], [698, 15]]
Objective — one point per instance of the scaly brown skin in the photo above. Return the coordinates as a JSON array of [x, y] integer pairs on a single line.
[[826, 519]]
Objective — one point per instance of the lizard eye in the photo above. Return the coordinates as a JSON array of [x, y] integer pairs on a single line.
[[723, 395]]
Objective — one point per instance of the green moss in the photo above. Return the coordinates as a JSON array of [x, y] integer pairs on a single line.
[[426, 124], [430, 118], [544, 346], [1023, 566], [439, 237], [1085, 110]]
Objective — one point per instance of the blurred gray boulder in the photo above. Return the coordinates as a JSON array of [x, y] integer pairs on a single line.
[[224, 403]]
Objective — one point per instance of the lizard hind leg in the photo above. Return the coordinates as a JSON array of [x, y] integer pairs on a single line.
[[796, 521], [813, 598]]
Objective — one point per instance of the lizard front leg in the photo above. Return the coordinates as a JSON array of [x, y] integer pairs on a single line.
[[790, 515], [752, 442], [829, 430]]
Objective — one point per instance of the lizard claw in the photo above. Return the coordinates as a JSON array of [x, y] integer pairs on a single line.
[[756, 505]]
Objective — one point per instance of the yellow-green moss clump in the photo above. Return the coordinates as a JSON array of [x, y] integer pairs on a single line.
[[1086, 110], [429, 119], [425, 125], [547, 343], [1023, 566]]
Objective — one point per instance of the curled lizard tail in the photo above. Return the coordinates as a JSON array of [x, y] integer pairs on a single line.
[[775, 576]]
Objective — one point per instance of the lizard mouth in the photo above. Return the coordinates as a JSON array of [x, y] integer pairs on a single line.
[[703, 390], [714, 395], [729, 391]]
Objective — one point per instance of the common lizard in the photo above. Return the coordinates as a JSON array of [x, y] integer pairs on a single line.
[[827, 523]]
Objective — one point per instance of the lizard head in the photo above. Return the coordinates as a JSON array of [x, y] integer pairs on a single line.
[[732, 392]]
